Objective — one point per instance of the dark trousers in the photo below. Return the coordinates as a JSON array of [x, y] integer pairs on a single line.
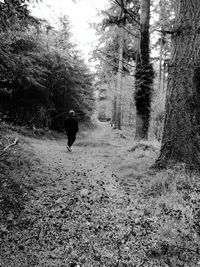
[[71, 138]]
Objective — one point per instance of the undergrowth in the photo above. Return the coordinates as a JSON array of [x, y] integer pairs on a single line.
[[30, 131], [46, 133], [17, 179]]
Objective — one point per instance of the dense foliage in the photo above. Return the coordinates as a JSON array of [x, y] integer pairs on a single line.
[[42, 75]]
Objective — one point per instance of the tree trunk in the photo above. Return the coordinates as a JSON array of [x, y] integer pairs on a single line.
[[143, 76], [120, 68], [163, 83], [161, 73], [160, 65], [114, 110], [119, 81], [181, 137]]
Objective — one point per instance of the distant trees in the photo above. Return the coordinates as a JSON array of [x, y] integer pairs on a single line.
[[181, 128], [132, 27], [42, 75], [118, 50], [163, 10]]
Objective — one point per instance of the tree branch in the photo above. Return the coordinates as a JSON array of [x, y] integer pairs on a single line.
[[115, 58], [115, 66], [129, 31], [126, 10]]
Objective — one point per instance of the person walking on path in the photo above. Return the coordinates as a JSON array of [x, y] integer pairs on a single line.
[[71, 129]]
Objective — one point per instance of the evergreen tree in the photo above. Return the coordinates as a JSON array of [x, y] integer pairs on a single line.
[[39, 82]]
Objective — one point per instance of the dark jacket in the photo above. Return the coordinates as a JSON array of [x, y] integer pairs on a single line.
[[71, 125]]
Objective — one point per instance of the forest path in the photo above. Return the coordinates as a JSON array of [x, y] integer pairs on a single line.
[[85, 203], [91, 161], [98, 157]]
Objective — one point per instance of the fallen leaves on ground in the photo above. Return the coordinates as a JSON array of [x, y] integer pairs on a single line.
[[99, 206]]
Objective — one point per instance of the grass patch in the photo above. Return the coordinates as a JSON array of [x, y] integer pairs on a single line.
[[174, 207], [167, 208], [18, 178]]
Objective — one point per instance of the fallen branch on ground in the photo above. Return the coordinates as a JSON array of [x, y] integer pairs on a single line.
[[123, 136], [10, 145], [120, 133], [144, 147]]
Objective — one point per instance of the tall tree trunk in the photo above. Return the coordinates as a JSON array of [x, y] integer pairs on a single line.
[[161, 72], [120, 68], [163, 82], [119, 81], [112, 95], [143, 76], [114, 118], [181, 138], [160, 65]]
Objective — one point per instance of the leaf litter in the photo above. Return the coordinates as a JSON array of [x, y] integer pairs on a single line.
[[92, 207]]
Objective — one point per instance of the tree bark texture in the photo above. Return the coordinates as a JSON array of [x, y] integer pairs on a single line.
[[143, 76], [181, 136]]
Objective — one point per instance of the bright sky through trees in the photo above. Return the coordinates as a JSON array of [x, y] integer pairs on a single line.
[[80, 13]]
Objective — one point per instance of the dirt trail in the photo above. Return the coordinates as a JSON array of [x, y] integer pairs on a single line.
[[85, 204], [92, 161], [91, 158], [99, 157]]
